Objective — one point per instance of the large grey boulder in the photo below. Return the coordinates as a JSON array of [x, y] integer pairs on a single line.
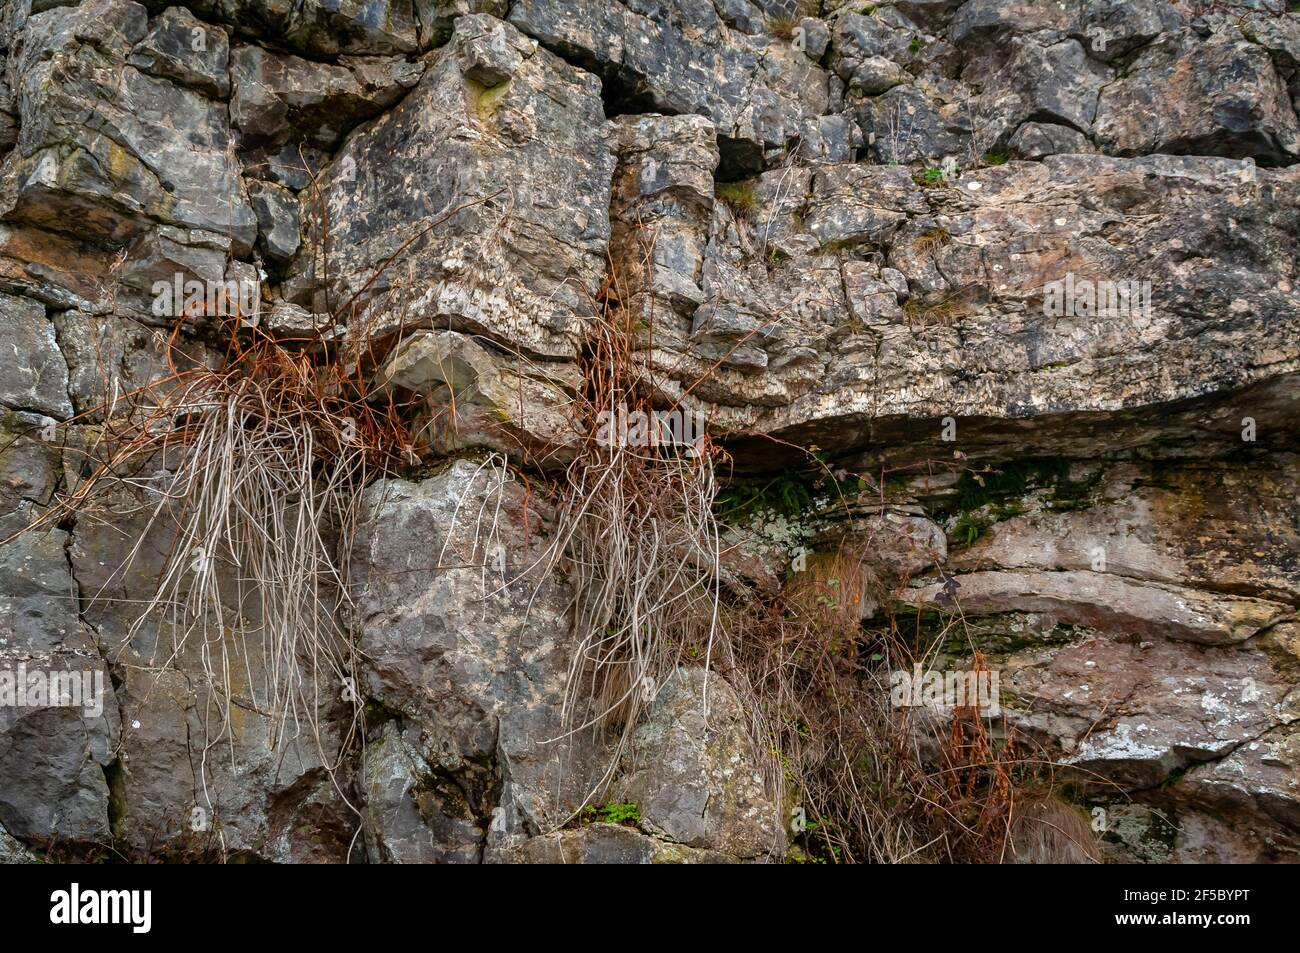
[[695, 774], [468, 644]]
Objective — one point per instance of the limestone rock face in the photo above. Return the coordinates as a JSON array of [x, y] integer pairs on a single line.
[[35, 375], [1122, 654], [1251, 115], [54, 758], [690, 58], [492, 176], [811, 338], [197, 759], [1012, 286], [692, 771], [469, 651]]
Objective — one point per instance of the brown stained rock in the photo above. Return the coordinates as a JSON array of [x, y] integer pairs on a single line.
[[1109, 602], [1220, 97]]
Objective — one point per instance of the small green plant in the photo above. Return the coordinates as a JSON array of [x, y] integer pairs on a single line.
[[740, 197], [789, 494], [615, 813], [929, 178], [968, 528], [976, 489], [994, 157], [915, 45]]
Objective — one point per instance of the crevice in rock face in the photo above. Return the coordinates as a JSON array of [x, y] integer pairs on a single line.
[[738, 159], [114, 777], [114, 770], [624, 95], [1046, 118]]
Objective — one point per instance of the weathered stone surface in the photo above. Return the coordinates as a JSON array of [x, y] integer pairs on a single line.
[[1157, 681], [109, 358], [437, 17], [1056, 83], [179, 749], [13, 852], [476, 397], [610, 844], [323, 28], [979, 22], [33, 373], [280, 100], [53, 760], [278, 226], [1220, 97], [977, 317], [518, 265], [8, 123], [685, 58], [1037, 140], [1115, 28], [471, 648], [805, 219], [1194, 525], [694, 773], [1193, 734], [905, 125], [410, 817], [928, 13], [184, 49], [1085, 598], [661, 210], [866, 51], [903, 542], [107, 150]]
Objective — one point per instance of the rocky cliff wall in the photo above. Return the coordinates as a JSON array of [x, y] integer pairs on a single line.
[[1021, 274]]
